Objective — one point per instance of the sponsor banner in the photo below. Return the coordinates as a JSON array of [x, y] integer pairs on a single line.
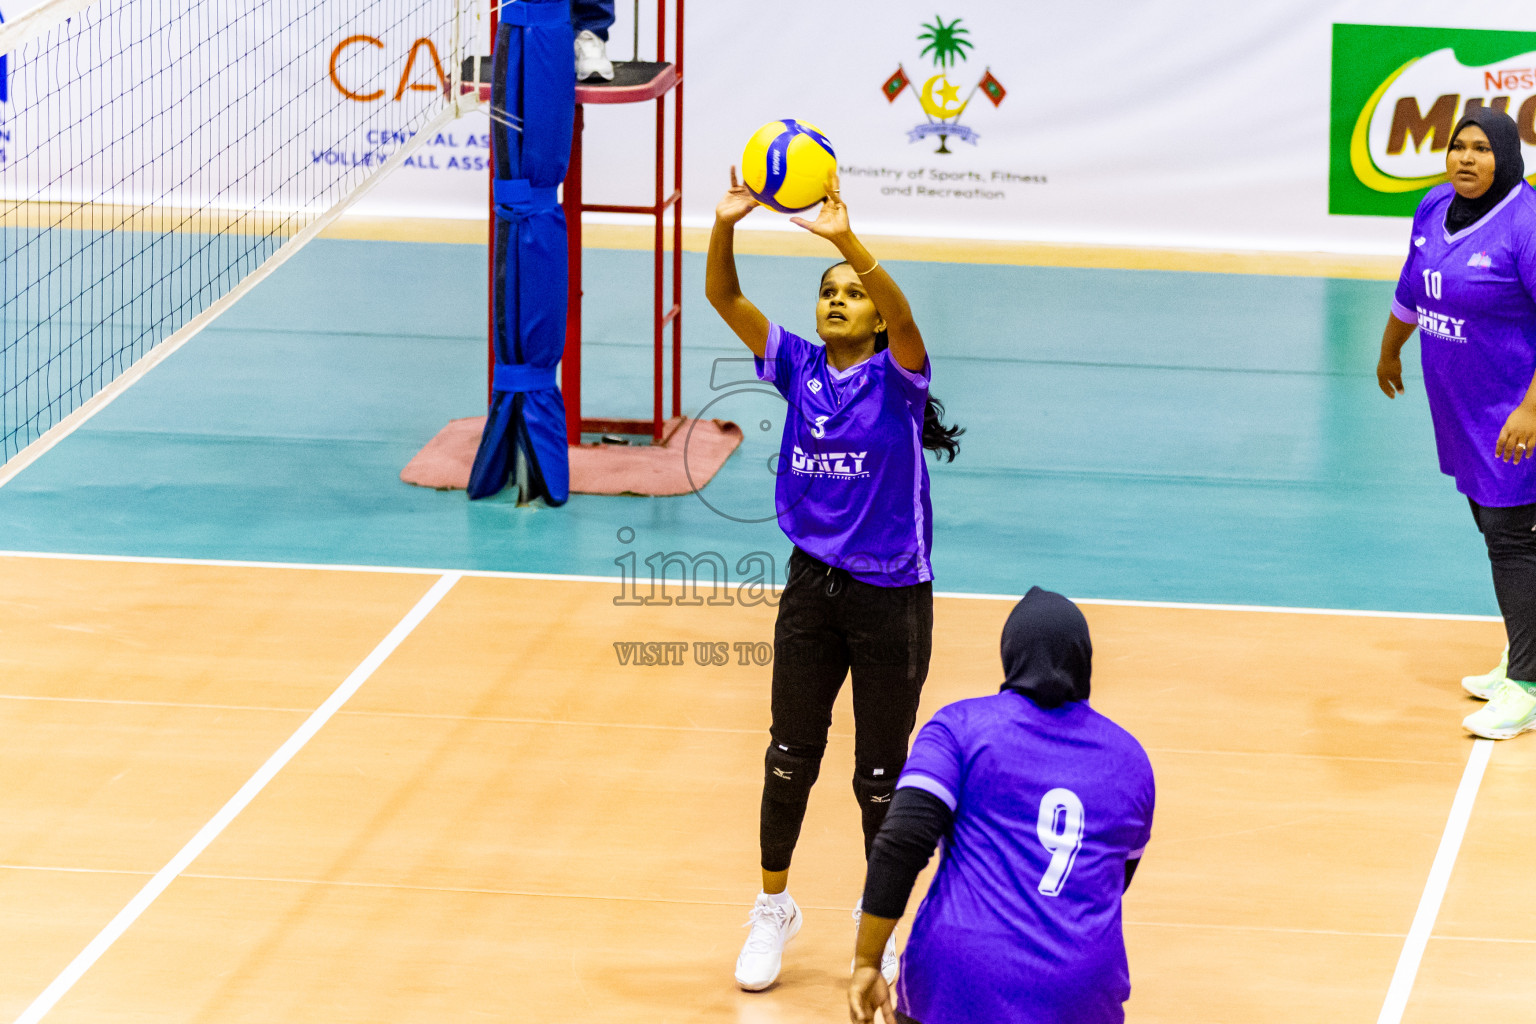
[[1178, 123], [1398, 93]]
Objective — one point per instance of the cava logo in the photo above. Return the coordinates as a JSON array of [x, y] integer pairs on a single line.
[[1397, 95], [346, 50], [939, 95]]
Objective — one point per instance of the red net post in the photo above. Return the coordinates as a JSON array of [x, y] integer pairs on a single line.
[[570, 362]]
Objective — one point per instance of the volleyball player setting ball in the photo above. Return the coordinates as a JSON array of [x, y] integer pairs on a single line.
[[852, 496], [1469, 287]]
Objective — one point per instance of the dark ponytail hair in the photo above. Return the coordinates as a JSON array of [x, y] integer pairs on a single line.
[[937, 438]]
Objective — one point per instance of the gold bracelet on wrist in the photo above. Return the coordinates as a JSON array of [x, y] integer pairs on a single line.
[[871, 270]]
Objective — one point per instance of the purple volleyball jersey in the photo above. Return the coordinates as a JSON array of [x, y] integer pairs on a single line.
[[1471, 295], [1022, 919], [852, 486]]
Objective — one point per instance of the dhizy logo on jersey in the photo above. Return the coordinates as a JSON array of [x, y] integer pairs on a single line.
[[844, 465], [1480, 259], [1446, 328], [814, 385]]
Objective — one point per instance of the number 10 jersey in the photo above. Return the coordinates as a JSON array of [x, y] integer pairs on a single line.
[[1473, 296]]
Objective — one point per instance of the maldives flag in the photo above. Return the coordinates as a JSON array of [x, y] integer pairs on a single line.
[[893, 85], [993, 88]]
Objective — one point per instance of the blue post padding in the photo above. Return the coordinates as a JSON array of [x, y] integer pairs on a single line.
[[516, 197], [534, 84], [522, 377], [526, 13]]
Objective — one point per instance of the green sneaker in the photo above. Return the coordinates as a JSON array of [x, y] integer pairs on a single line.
[[1483, 687], [1509, 712]]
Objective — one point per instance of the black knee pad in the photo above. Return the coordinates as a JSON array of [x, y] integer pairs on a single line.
[[874, 785], [789, 773]]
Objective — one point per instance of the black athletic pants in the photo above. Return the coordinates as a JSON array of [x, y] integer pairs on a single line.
[[830, 623], [1510, 534]]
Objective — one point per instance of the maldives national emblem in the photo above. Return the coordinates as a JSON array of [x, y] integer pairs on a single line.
[[939, 97]]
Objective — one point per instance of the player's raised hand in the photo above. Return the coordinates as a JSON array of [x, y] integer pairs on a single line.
[[831, 220], [738, 202], [868, 992]]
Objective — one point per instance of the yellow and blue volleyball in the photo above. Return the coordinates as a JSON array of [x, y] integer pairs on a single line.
[[786, 165]]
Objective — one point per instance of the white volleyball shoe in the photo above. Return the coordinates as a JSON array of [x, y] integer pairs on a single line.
[[773, 923]]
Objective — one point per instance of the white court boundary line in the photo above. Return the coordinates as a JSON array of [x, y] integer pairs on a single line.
[[1434, 888], [498, 574], [237, 803]]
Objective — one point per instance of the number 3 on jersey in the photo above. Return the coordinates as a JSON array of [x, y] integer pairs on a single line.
[[1432, 283], [1060, 828]]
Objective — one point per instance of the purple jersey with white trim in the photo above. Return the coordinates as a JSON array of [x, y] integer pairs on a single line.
[[1022, 919], [1471, 294], [852, 486]]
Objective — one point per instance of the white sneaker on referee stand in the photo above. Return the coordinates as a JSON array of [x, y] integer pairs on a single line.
[[774, 921], [592, 57], [1483, 687], [889, 962]]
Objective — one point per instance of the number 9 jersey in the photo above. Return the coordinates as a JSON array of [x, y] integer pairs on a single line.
[[1022, 919], [1471, 295]]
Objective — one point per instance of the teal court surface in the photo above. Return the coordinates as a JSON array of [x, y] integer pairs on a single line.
[[1130, 434]]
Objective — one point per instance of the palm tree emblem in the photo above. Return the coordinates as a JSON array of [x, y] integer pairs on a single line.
[[947, 43]]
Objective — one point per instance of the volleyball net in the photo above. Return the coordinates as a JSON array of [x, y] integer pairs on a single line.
[[157, 160]]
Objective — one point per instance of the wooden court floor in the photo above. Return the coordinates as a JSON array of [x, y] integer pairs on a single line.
[[506, 823]]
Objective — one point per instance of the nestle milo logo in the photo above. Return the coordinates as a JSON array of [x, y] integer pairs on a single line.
[[1397, 95]]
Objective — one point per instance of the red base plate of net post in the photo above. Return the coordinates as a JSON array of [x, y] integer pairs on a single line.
[[690, 454]]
